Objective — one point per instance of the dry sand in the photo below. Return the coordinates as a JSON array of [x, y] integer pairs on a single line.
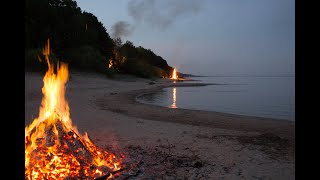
[[166, 143]]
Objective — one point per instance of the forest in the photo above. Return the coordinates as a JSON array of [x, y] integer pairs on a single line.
[[81, 40]]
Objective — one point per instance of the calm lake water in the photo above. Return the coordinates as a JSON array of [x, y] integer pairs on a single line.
[[272, 97]]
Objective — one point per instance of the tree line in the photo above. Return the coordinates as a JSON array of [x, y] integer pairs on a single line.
[[81, 40]]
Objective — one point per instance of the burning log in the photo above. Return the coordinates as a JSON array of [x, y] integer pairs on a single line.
[[106, 176], [72, 153], [54, 148]]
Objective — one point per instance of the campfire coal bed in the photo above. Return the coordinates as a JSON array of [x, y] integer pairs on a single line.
[[72, 155]]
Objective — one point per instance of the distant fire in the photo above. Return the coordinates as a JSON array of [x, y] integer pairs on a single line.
[[174, 74], [54, 149], [110, 64]]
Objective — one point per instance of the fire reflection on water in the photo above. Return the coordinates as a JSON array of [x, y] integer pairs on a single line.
[[174, 98]]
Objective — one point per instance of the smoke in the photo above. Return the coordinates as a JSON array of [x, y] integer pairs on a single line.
[[162, 14], [121, 29]]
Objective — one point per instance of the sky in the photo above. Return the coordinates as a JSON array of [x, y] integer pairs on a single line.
[[207, 37]]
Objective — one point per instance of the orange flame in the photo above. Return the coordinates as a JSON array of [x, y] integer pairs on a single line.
[[174, 74], [110, 64], [50, 137]]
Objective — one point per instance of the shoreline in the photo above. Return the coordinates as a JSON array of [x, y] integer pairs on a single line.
[[171, 142], [201, 110], [128, 105]]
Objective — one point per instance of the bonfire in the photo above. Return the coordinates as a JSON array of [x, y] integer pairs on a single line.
[[174, 74], [54, 149]]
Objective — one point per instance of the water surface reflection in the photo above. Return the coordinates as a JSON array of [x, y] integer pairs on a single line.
[[255, 96], [174, 98]]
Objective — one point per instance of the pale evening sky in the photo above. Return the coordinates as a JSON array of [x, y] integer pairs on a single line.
[[208, 37]]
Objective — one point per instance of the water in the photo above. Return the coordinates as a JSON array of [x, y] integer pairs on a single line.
[[272, 97]]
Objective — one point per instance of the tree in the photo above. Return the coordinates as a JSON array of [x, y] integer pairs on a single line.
[[80, 39]]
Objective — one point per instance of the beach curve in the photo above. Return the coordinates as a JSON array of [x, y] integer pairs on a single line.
[[126, 103]]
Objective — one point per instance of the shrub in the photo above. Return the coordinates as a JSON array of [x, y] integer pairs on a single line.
[[141, 69], [85, 57]]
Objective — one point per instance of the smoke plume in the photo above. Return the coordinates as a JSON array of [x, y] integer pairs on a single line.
[[121, 29], [162, 14]]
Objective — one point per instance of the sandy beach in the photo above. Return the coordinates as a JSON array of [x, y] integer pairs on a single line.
[[167, 143]]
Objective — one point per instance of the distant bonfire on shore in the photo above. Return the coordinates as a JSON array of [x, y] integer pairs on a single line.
[[174, 74]]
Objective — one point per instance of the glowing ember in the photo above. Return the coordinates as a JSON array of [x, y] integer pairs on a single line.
[[174, 74], [54, 149]]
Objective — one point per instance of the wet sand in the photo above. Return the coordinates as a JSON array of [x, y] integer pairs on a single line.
[[172, 143]]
